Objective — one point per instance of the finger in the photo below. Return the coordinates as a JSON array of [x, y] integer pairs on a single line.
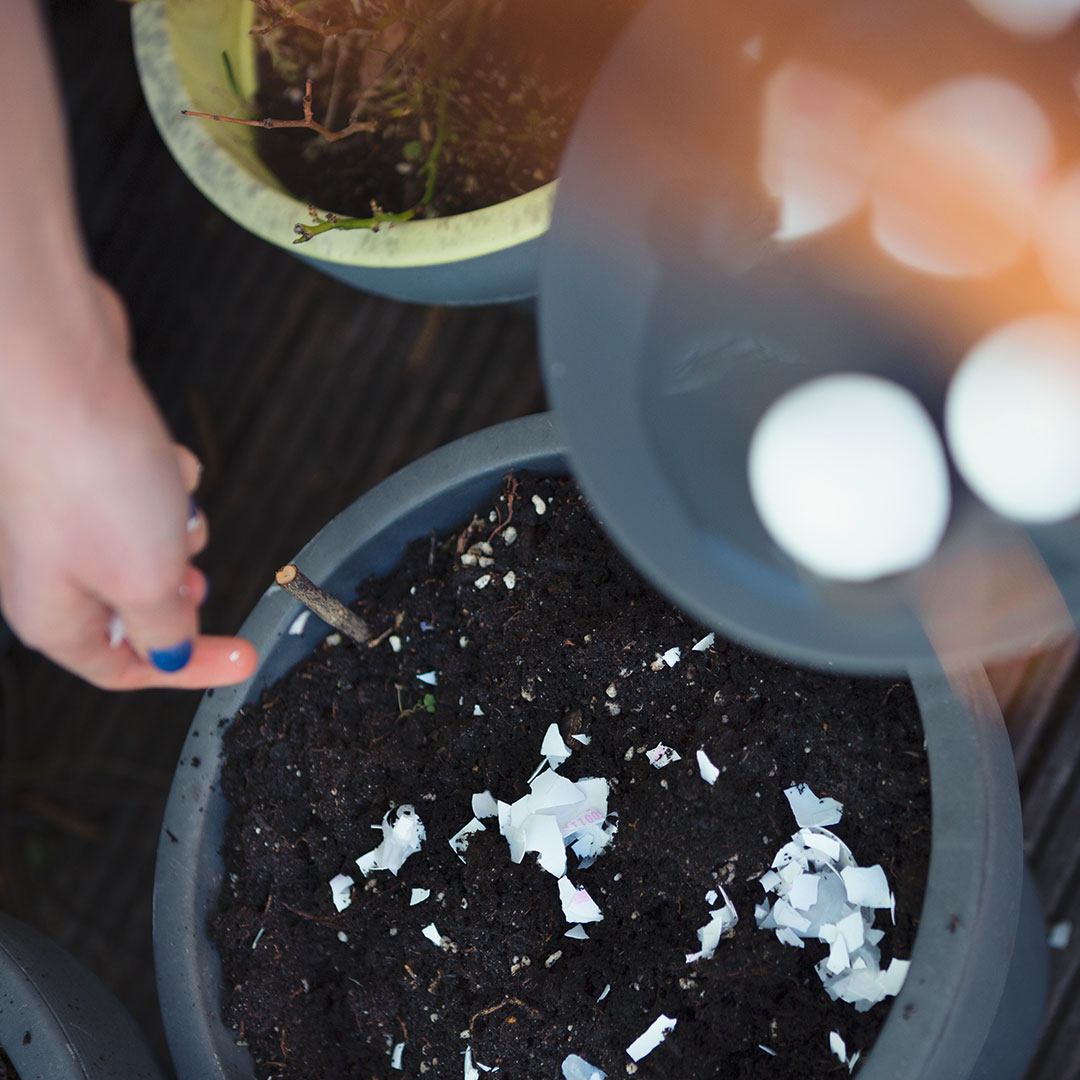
[[198, 530], [161, 622], [191, 468], [215, 661], [195, 586]]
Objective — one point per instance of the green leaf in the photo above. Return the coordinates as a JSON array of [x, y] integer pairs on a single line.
[[413, 151], [429, 702]]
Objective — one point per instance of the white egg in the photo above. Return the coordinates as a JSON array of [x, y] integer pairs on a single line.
[[1031, 18], [1012, 419], [848, 474], [958, 171]]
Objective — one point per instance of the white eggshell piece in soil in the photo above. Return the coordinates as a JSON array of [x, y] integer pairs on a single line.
[[341, 886], [1012, 417], [652, 1037], [849, 476], [811, 810], [577, 1068], [578, 906]]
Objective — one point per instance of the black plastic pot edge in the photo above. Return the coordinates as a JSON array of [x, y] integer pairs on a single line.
[[57, 1020], [970, 915]]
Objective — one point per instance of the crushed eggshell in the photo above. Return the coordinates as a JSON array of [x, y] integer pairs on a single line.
[[578, 906], [298, 624], [460, 840], [811, 811], [578, 933], [429, 677], [341, 891], [396, 1055], [477, 711], [484, 805], [720, 921], [709, 772], [403, 834], [577, 1068], [604, 993], [661, 755], [705, 643], [418, 896], [553, 747], [583, 739], [821, 893], [652, 1037], [672, 656], [432, 934]]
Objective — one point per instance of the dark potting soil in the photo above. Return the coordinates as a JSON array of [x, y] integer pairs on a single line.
[[7, 1070], [575, 637], [491, 87]]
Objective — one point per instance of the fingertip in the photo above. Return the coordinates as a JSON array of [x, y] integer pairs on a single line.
[[171, 658]]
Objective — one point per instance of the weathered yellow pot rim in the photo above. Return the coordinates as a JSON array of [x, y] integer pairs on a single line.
[[220, 160]]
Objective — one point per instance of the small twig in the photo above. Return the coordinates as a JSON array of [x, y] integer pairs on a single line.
[[328, 608], [309, 121]]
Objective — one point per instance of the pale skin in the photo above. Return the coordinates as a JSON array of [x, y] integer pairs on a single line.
[[95, 497]]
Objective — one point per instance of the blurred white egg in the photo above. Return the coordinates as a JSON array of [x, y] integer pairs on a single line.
[[1031, 18], [1012, 419], [848, 474], [958, 171]]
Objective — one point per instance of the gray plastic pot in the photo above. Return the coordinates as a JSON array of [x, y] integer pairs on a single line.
[[964, 965], [57, 1021], [486, 256], [668, 307]]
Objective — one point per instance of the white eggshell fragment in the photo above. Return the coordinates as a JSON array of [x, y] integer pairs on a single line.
[[848, 475], [1012, 418]]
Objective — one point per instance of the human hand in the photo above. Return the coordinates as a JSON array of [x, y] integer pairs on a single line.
[[97, 520]]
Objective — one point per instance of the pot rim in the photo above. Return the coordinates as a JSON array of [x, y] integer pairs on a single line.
[[260, 204], [971, 905], [78, 1029]]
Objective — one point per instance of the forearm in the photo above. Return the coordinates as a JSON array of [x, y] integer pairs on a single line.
[[45, 280]]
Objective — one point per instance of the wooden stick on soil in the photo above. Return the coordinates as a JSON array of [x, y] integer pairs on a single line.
[[328, 608]]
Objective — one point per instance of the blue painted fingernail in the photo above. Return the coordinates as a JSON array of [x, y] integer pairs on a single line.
[[172, 659], [193, 514]]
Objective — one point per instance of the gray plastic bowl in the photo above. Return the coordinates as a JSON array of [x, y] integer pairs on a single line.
[[57, 1021], [971, 917]]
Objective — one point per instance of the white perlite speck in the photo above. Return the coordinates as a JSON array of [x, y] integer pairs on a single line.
[[539, 505], [483, 581], [822, 893], [403, 834], [652, 1037]]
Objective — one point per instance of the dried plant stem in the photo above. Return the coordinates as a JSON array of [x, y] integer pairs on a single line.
[[328, 608], [308, 122]]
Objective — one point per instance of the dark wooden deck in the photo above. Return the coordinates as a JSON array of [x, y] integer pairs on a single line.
[[300, 394]]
